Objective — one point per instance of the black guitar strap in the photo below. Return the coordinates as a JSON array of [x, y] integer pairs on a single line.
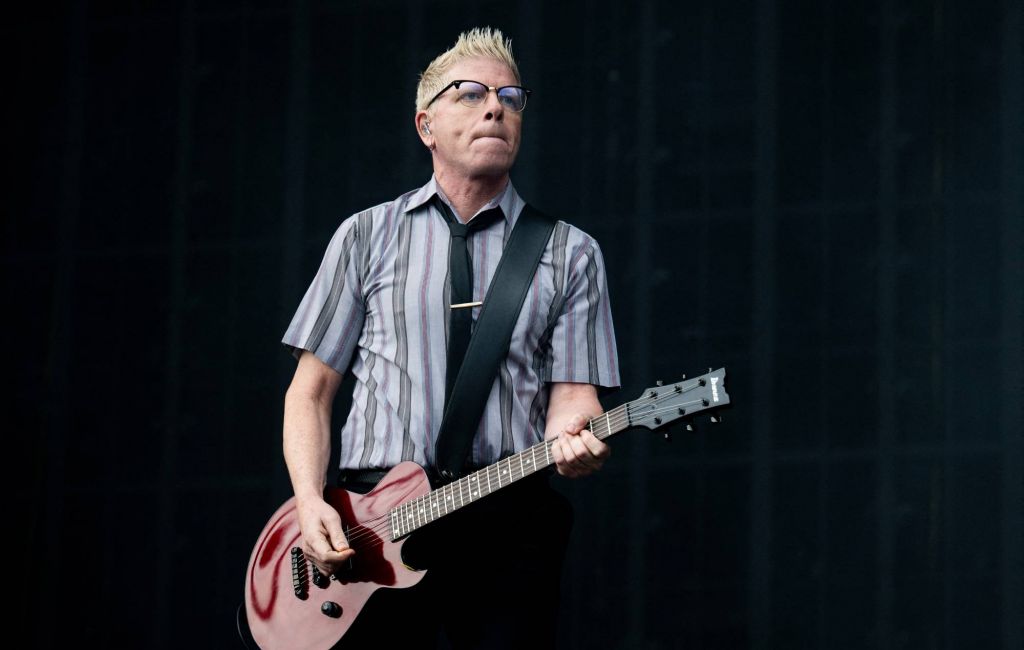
[[490, 340]]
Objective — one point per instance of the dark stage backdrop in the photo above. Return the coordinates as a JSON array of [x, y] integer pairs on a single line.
[[825, 197]]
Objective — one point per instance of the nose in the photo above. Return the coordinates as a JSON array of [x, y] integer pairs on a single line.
[[495, 110]]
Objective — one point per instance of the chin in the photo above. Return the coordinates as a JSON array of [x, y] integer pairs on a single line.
[[489, 170]]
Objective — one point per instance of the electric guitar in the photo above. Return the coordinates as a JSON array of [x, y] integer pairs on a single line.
[[291, 605]]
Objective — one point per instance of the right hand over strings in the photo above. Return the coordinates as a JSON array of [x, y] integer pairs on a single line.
[[322, 536]]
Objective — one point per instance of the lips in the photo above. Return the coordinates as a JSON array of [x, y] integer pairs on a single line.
[[490, 137]]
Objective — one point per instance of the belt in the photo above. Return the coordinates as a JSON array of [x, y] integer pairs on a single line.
[[367, 476], [374, 476]]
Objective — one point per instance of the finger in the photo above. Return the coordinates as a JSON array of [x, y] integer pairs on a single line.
[[318, 546], [583, 455], [570, 451], [328, 561], [561, 462], [578, 460], [598, 448]]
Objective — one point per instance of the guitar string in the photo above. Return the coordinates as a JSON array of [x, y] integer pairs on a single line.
[[378, 538], [383, 521], [383, 524], [491, 472], [621, 414]]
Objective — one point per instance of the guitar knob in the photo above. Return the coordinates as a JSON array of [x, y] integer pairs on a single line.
[[319, 579], [331, 609]]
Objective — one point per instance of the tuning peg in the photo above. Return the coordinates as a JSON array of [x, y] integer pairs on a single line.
[[716, 419], [658, 383], [690, 426], [668, 436]]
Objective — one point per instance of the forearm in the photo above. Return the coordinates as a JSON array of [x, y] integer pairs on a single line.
[[307, 426], [307, 444]]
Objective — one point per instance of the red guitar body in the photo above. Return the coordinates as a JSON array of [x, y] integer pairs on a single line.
[[281, 620]]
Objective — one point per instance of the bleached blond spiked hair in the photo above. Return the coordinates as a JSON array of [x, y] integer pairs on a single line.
[[479, 42]]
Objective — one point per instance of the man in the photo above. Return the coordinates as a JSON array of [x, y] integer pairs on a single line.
[[380, 306]]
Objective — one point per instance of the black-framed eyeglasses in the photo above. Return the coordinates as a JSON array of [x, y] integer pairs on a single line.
[[473, 93]]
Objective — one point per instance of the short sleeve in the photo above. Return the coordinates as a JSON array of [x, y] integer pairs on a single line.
[[330, 317], [583, 346]]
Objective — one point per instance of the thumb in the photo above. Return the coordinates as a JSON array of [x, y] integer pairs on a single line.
[[575, 424], [338, 541]]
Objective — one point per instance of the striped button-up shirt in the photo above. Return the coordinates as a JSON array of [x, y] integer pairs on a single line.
[[378, 307]]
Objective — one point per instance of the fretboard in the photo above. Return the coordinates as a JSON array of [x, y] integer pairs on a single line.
[[420, 511]]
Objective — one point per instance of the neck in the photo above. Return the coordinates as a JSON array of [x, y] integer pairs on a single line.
[[468, 195]]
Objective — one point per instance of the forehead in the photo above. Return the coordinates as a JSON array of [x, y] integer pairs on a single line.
[[488, 71]]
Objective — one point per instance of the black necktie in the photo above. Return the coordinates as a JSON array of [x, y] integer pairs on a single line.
[[460, 319]]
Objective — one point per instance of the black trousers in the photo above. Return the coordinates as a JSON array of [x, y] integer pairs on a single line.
[[493, 577]]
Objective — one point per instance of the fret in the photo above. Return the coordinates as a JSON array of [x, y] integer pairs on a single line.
[[607, 424], [547, 452], [488, 472], [522, 469], [410, 517]]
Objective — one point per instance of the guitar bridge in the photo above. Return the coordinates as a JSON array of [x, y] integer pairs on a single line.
[[300, 575]]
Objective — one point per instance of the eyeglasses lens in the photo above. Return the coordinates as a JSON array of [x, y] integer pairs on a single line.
[[511, 97]]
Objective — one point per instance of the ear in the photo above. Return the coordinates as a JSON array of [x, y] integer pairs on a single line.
[[422, 120]]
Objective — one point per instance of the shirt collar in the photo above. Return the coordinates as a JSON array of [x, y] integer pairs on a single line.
[[508, 199]]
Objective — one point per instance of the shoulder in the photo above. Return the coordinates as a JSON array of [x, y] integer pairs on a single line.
[[574, 244], [366, 223]]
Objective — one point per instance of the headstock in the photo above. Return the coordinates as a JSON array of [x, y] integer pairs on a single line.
[[665, 403]]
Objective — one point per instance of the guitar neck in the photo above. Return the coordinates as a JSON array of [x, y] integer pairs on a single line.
[[657, 407], [430, 507]]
